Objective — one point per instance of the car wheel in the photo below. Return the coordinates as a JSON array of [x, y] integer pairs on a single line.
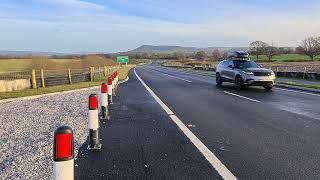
[[218, 80], [239, 83], [268, 87]]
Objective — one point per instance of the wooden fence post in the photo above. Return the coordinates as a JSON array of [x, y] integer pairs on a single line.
[[91, 74], [105, 71], [286, 70], [69, 76], [33, 79], [99, 72], [277, 70], [304, 72], [43, 84]]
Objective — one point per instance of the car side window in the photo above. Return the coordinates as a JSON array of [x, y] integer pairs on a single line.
[[225, 64], [230, 63]]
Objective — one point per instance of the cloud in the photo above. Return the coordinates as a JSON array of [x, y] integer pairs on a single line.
[[75, 26], [73, 4]]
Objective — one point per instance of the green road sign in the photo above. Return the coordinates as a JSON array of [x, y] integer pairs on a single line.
[[122, 59]]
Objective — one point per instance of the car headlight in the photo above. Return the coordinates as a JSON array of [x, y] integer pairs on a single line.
[[247, 72]]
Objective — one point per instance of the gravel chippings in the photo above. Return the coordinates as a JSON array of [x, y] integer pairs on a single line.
[[26, 132]]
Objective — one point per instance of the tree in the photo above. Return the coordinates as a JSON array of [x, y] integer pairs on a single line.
[[311, 47], [216, 55], [179, 55], [258, 48], [201, 55], [299, 50], [271, 51]]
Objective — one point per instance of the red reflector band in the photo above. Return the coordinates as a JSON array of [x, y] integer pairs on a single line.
[[109, 81], [63, 146], [103, 88], [93, 102]]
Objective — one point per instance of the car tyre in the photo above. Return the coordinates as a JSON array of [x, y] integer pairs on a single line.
[[218, 80], [268, 88], [239, 83]]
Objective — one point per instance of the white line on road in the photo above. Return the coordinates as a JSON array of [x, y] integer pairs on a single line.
[[241, 96], [213, 160], [176, 77], [298, 92]]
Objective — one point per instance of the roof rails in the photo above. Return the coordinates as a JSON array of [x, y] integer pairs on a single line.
[[238, 54]]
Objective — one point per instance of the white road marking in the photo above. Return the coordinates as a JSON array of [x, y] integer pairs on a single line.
[[298, 92], [241, 96], [213, 160], [176, 77]]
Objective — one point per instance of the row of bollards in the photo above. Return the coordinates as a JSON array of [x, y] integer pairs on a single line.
[[63, 146]]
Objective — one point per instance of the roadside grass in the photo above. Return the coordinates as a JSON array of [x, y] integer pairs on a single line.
[[300, 85], [286, 58], [123, 73]]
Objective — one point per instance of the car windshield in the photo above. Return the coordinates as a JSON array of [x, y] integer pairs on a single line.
[[245, 64]]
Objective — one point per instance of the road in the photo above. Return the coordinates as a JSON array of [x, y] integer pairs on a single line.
[[255, 134]]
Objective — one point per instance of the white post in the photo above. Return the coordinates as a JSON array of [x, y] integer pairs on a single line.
[[94, 141], [109, 89], [104, 102], [63, 154]]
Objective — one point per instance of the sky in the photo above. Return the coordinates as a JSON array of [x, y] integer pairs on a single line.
[[82, 26]]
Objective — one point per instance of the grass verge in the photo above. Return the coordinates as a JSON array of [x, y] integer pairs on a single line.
[[123, 73], [299, 85]]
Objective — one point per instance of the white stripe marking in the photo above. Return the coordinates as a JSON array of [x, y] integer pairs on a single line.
[[298, 92], [241, 96], [213, 160], [176, 77]]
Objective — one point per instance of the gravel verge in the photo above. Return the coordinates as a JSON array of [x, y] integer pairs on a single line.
[[26, 131]]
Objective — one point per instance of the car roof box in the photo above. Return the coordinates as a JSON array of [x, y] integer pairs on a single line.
[[238, 54]]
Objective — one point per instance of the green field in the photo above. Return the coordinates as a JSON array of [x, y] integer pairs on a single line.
[[14, 65], [7, 65], [286, 58]]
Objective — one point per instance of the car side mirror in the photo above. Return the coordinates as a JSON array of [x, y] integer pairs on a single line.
[[230, 66], [260, 66]]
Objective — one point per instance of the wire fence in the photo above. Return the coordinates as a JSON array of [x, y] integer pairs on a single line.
[[44, 78]]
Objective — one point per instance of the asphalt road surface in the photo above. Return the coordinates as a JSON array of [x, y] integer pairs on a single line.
[[256, 134]]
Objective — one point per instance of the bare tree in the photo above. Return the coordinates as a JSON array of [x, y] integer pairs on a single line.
[[201, 55], [258, 48], [271, 51], [299, 50], [216, 55], [311, 47], [179, 55]]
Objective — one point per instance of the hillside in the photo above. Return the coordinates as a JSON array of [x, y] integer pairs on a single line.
[[172, 49]]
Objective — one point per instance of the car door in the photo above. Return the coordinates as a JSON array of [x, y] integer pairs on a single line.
[[228, 70], [224, 72], [231, 70]]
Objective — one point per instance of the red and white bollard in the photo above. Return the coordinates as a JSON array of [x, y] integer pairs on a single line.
[[114, 84], [104, 101], [94, 141], [117, 79], [63, 154], [109, 89]]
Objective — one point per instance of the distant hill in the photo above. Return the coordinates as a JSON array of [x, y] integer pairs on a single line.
[[172, 49]]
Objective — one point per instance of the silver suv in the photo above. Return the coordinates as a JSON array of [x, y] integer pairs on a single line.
[[238, 69]]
